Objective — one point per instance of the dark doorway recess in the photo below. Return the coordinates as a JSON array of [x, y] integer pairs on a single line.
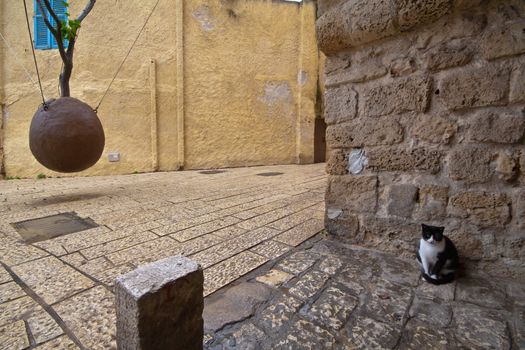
[[319, 141], [41, 229]]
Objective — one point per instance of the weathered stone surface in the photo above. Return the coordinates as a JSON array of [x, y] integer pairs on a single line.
[[332, 308], [355, 23], [389, 302], [517, 84], [367, 333], [431, 312], [274, 278], [506, 167], [444, 292], [326, 5], [470, 163], [358, 71], [402, 66], [412, 13], [484, 209], [337, 162], [404, 160], [365, 132], [235, 304], [504, 40], [419, 336], [306, 335], [343, 224], [480, 328], [520, 208], [391, 235], [475, 87], [340, 104], [468, 243], [298, 262], [514, 246], [401, 200], [433, 129], [399, 271], [432, 202], [309, 284], [465, 4], [159, 306], [477, 291], [499, 128], [449, 54], [402, 95], [354, 193], [278, 313]]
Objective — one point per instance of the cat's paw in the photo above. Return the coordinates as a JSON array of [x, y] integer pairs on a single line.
[[435, 277]]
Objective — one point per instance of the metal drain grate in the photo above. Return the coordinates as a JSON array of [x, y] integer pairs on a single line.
[[269, 174], [37, 230], [211, 172]]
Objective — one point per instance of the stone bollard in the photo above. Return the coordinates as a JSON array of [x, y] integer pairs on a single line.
[[159, 306]]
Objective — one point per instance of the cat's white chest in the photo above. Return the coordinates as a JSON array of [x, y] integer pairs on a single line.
[[429, 252]]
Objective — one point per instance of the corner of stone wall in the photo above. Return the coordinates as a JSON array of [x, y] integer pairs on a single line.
[[425, 106]]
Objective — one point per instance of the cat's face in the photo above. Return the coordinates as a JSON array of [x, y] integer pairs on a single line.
[[432, 234]]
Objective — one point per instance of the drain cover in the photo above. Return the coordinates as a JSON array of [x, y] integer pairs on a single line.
[[269, 174], [36, 230], [211, 172]]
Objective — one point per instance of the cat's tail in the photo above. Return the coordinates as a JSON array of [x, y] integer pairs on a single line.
[[443, 280]]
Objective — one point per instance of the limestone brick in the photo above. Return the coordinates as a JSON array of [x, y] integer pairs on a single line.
[[506, 166], [467, 242], [354, 193], [484, 209], [340, 104], [449, 54], [475, 87], [432, 202], [354, 23], [497, 127], [369, 69], [414, 12], [337, 163], [433, 129], [520, 209], [391, 234], [343, 224], [367, 132], [418, 159], [517, 84], [470, 163], [401, 200], [504, 40], [402, 95]]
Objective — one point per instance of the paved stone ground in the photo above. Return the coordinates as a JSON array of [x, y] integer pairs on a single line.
[[328, 295], [58, 293]]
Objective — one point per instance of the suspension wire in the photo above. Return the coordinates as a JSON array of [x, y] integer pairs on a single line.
[[129, 51], [34, 56], [13, 52]]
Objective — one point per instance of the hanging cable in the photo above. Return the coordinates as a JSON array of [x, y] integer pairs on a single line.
[[34, 56], [124, 60], [18, 61]]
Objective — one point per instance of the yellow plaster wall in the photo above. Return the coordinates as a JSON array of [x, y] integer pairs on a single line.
[[208, 84]]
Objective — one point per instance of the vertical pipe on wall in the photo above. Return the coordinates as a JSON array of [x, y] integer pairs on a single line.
[[153, 115], [298, 128], [179, 29]]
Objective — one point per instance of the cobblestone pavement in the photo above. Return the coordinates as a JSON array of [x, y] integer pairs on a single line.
[[57, 293], [328, 295]]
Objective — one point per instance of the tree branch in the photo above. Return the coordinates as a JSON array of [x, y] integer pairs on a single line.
[[57, 32], [86, 10], [46, 21]]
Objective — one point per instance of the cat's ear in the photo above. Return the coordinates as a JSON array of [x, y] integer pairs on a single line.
[[440, 229], [424, 227]]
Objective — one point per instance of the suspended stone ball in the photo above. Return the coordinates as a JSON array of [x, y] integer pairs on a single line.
[[67, 136]]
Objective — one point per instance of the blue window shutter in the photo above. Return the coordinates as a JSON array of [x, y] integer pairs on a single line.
[[41, 33], [60, 10]]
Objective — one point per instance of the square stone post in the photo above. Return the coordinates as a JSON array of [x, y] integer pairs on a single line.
[[159, 306]]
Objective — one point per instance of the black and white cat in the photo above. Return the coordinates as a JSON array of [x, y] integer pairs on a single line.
[[437, 255]]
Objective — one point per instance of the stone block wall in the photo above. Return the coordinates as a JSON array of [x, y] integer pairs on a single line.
[[425, 106]]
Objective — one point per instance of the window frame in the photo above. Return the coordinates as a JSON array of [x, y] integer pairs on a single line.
[[39, 26]]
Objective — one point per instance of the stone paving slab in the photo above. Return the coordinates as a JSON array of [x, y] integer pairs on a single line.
[[339, 296], [62, 290]]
